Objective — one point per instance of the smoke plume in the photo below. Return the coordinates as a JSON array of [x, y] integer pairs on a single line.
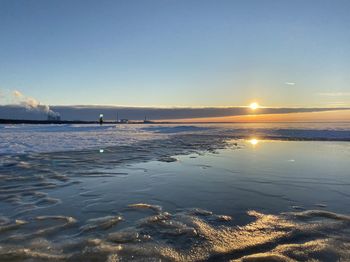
[[32, 104]]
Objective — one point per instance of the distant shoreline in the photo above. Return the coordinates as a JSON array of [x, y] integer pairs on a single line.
[[58, 122], [23, 121], [61, 122]]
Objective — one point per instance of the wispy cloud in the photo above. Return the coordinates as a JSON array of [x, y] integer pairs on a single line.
[[337, 104], [290, 83], [335, 94]]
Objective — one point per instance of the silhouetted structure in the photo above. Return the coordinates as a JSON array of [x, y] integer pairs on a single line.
[[146, 121], [51, 117], [124, 121], [101, 119]]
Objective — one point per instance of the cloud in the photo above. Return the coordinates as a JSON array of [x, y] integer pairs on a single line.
[[290, 83], [88, 113], [335, 94]]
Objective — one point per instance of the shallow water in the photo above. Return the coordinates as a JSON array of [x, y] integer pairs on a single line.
[[19, 139], [195, 194]]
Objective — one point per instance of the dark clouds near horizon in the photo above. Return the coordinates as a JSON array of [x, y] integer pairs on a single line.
[[88, 113]]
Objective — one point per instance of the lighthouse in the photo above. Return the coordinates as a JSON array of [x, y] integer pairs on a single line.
[[101, 119]]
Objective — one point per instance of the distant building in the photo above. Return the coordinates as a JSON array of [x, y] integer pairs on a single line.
[[124, 121], [51, 117], [147, 121]]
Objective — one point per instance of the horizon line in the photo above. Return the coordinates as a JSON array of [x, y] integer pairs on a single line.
[[186, 107]]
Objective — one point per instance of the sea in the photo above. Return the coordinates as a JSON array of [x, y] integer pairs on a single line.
[[175, 192]]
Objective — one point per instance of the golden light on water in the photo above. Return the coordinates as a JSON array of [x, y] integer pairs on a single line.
[[254, 106]]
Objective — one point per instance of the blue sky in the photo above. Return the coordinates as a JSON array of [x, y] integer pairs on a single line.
[[177, 53]]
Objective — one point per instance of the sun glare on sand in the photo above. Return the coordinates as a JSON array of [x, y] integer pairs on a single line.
[[254, 106]]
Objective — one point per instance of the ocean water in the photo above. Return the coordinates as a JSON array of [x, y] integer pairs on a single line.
[[224, 192]]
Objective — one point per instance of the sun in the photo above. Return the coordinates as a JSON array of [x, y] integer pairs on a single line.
[[254, 106], [254, 141]]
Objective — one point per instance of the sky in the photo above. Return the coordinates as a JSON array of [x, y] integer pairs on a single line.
[[166, 53]]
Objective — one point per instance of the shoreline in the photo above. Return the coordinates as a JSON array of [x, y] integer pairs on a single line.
[[61, 122]]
